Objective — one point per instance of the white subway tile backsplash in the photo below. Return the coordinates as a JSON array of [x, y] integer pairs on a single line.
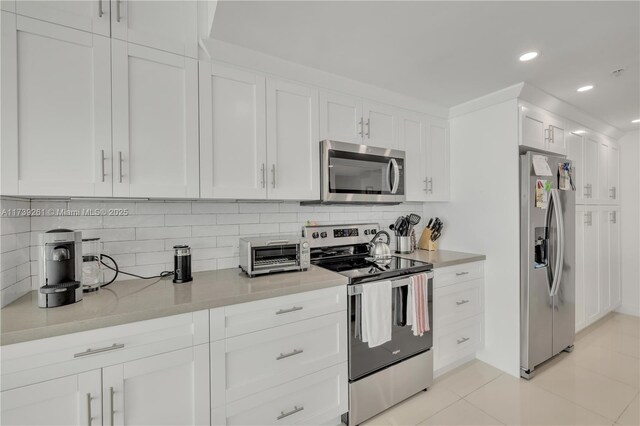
[[228, 262], [259, 228], [212, 253], [314, 217], [204, 265], [211, 231], [154, 258], [15, 291], [161, 232], [8, 278], [259, 207], [23, 271], [112, 234], [133, 221], [8, 242], [201, 207], [45, 223], [151, 207], [226, 219], [119, 247], [193, 242], [14, 258], [278, 217], [14, 225], [294, 228], [190, 219]]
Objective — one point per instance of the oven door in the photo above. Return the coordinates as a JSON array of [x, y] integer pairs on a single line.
[[364, 360], [361, 174]]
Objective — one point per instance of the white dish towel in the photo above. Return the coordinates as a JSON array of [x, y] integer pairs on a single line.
[[376, 313], [418, 305]]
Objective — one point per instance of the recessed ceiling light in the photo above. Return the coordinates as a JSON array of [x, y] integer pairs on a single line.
[[585, 88], [528, 56], [637, 120], [579, 132]]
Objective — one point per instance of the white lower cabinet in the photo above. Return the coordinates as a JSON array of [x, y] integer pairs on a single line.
[[458, 314], [69, 400], [166, 389]]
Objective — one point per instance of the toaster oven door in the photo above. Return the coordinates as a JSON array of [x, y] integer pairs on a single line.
[[275, 258]]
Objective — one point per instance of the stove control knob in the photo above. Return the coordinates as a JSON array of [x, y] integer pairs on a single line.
[[366, 232], [315, 235], [323, 235], [305, 245], [373, 232]]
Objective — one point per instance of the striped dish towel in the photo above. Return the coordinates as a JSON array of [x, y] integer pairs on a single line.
[[417, 305]]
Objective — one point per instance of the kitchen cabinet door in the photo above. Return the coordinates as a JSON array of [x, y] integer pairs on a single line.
[[167, 389], [555, 129], [414, 140], [292, 141], [604, 253], [380, 125], [232, 133], [56, 110], [602, 196], [590, 174], [579, 268], [532, 128], [170, 25], [70, 400], [591, 266], [614, 258], [613, 169], [155, 123], [575, 154], [341, 118], [438, 180], [90, 15]]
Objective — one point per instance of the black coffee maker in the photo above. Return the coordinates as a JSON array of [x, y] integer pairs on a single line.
[[60, 266]]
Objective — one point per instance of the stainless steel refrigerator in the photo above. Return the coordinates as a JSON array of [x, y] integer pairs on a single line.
[[547, 259]]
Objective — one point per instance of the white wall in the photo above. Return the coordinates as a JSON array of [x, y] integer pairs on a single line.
[[483, 217], [630, 221]]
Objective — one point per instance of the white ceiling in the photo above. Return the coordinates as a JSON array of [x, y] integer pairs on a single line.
[[452, 52]]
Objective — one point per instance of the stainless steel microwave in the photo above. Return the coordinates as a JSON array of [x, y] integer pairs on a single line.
[[353, 173]]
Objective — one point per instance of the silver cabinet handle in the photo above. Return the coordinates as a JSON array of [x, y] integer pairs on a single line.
[[100, 350], [612, 192], [586, 191], [368, 128], [287, 414], [552, 135], [546, 135], [461, 341], [588, 218], [89, 409], [462, 273], [361, 127], [102, 164], [273, 175], [614, 217], [287, 355], [262, 172], [100, 12], [111, 415], [462, 302], [430, 185], [286, 311], [120, 166], [118, 10]]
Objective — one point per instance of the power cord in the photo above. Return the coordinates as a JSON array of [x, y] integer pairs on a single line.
[[117, 271]]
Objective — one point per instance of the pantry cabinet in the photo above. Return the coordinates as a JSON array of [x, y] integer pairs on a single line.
[[590, 175], [155, 123], [93, 16], [171, 25], [575, 153], [69, 400], [56, 110], [541, 130], [166, 389], [613, 173]]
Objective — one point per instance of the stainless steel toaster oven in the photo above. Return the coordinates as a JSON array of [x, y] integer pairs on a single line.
[[268, 255]]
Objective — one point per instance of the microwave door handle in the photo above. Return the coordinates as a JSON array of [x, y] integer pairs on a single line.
[[270, 243], [393, 163]]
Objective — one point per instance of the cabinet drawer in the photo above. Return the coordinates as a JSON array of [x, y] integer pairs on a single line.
[[458, 274], [456, 302], [254, 316], [458, 340], [311, 400], [44, 359], [257, 361]]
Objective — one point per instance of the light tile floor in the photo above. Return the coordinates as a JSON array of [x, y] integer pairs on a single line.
[[597, 384]]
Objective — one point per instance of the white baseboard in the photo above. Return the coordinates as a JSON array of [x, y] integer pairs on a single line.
[[439, 372], [629, 310]]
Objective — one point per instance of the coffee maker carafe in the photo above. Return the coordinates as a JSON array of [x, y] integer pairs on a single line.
[[60, 268]]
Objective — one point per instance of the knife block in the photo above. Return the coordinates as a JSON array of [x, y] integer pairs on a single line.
[[425, 242]]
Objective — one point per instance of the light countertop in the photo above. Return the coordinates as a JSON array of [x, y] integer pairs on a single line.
[[136, 300], [443, 258]]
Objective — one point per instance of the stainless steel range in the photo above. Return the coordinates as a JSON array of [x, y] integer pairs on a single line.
[[384, 375]]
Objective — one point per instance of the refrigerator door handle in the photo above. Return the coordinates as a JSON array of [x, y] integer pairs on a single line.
[[557, 273]]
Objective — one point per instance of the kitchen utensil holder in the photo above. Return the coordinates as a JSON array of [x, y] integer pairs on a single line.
[[404, 245], [425, 242]]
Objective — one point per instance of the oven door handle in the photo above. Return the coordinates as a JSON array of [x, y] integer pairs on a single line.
[[354, 290]]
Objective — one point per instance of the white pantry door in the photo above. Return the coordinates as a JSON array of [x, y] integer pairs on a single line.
[[170, 25], [56, 110], [292, 141], [155, 123], [341, 118], [70, 400], [579, 268], [614, 258], [604, 253], [86, 15], [232, 133], [380, 125], [575, 147], [413, 141], [591, 263], [167, 389]]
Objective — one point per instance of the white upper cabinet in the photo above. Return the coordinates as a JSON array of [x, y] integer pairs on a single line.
[[414, 141], [613, 173], [380, 125], [167, 25], [167, 389], [438, 179], [155, 123], [87, 15], [541, 130], [292, 141], [56, 110], [575, 153], [232, 133], [341, 118], [602, 194], [70, 400], [590, 175]]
